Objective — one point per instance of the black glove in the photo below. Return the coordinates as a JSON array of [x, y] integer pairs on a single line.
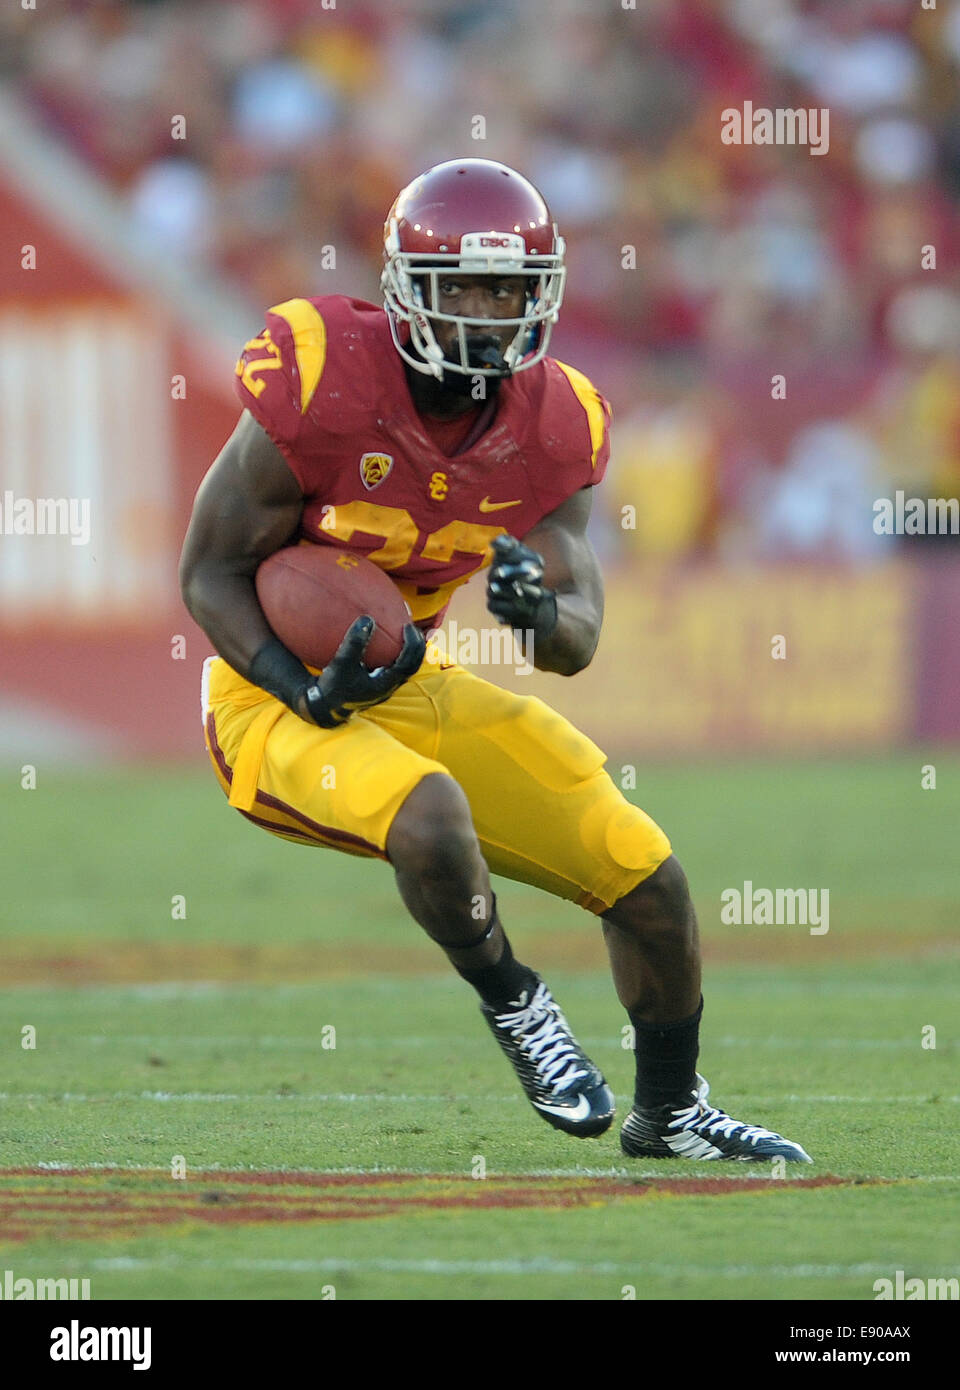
[[515, 591], [345, 684]]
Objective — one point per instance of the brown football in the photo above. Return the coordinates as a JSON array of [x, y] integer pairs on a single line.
[[310, 594]]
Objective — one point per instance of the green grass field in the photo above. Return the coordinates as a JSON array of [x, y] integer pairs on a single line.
[[208, 1037]]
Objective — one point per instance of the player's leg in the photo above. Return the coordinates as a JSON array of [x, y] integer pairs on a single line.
[[335, 788], [359, 789], [651, 936], [546, 812], [533, 781], [363, 789], [654, 947], [443, 879]]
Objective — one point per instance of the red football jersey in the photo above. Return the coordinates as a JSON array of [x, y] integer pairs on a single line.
[[326, 383]]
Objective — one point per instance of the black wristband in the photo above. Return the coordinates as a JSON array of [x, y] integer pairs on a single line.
[[276, 669]]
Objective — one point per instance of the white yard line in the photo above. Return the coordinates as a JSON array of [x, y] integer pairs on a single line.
[[383, 1098], [541, 1265], [219, 1169], [248, 1098], [442, 1041]]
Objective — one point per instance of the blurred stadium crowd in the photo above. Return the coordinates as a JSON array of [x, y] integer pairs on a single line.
[[303, 122]]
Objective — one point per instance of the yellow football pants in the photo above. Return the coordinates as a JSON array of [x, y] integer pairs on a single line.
[[544, 809]]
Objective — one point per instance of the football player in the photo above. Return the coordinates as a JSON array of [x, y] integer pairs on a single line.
[[435, 436]]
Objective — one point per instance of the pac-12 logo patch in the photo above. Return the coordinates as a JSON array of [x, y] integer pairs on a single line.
[[374, 468]]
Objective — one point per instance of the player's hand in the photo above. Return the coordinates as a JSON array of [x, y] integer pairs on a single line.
[[346, 684], [515, 590]]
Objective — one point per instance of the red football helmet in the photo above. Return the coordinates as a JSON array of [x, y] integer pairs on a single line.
[[479, 218]]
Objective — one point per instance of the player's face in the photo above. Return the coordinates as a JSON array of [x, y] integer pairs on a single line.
[[478, 297]]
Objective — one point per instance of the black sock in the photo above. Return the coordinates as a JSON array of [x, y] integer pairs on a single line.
[[499, 985], [666, 1059]]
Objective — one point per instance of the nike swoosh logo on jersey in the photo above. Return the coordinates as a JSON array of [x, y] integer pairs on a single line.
[[580, 1111], [487, 506]]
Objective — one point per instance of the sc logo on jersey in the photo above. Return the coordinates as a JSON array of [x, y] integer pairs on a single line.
[[374, 468]]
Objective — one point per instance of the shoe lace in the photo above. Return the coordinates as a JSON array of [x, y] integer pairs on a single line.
[[539, 1031], [708, 1121]]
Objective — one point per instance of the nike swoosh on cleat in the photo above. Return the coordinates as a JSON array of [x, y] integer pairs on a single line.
[[580, 1111]]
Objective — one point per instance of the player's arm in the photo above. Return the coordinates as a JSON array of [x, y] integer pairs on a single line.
[[247, 507], [551, 583]]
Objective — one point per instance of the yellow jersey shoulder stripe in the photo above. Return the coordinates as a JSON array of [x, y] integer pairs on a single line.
[[309, 343], [589, 397]]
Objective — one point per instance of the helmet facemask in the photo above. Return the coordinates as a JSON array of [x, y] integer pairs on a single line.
[[405, 273]]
